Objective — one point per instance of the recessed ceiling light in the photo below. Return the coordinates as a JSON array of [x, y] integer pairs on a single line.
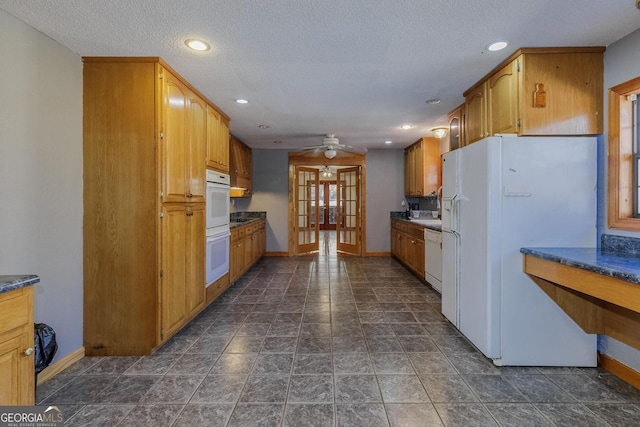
[[263, 126], [197, 44], [405, 127], [242, 101], [497, 46], [388, 142], [433, 101]]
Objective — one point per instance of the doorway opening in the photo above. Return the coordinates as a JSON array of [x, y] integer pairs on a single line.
[[326, 216]]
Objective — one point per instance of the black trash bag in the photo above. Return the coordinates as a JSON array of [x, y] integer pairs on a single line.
[[45, 345]]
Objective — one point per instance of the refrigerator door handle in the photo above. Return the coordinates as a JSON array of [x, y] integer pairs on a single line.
[[454, 215]]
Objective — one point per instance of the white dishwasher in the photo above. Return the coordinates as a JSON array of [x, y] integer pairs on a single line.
[[433, 258]]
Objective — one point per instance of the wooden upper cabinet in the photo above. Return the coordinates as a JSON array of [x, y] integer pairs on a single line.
[[240, 170], [455, 139], [174, 138], [475, 107], [539, 92], [184, 137], [574, 91], [423, 171], [217, 141], [196, 148], [503, 100]]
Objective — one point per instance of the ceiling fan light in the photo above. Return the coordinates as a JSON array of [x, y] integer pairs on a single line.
[[330, 153]]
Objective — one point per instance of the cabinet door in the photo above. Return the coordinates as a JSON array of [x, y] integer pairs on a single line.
[[174, 269], [431, 166], [503, 100], [174, 139], [455, 139], [236, 255], [475, 110], [224, 146], [394, 241], [417, 256], [195, 250], [16, 369], [217, 141], [197, 148]]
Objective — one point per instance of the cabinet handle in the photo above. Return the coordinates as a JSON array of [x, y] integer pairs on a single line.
[[28, 352], [189, 195]]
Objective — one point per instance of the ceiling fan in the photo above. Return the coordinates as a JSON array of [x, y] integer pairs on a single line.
[[331, 145]]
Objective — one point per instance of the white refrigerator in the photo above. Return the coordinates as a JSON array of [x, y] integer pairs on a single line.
[[500, 194]]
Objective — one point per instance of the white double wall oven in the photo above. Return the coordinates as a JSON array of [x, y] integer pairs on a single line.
[[218, 234]]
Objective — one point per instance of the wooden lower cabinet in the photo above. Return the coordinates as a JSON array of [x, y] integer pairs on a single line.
[[248, 244], [183, 281], [17, 365], [407, 245]]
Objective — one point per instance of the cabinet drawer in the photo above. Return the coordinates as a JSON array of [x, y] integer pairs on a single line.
[[14, 309], [415, 231]]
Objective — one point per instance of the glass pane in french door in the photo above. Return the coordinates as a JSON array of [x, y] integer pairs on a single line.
[[321, 197]]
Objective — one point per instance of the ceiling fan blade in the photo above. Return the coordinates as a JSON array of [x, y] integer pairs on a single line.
[[313, 148], [351, 149]]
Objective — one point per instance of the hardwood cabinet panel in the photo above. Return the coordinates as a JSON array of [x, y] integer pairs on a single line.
[[241, 165], [174, 269], [573, 82], [217, 141], [196, 248], [174, 139], [455, 139], [423, 170], [503, 100], [16, 348], [475, 107], [196, 148]]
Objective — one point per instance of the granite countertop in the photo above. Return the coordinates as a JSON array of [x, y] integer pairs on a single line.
[[246, 221], [435, 227], [11, 282], [613, 264]]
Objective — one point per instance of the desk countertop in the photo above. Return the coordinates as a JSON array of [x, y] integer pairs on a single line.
[[612, 264]]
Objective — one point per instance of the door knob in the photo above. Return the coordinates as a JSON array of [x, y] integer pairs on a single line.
[[28, 352]]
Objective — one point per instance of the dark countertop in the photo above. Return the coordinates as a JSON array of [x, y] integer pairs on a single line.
[[11, 282], [236, 224], [430, 226], [613, 264]]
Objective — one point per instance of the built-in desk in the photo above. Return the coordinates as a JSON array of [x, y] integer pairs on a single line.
[[599, 290]]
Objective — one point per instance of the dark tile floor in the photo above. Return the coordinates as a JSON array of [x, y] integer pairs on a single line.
[[330, 341]]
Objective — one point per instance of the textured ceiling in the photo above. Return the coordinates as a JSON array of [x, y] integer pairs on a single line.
[[356, 68]]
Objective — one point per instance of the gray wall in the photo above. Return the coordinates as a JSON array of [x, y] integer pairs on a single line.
[[621, 63], [385, 188], [41, 174]]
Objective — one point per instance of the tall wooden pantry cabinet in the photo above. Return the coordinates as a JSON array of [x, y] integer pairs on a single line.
[[145, 156]]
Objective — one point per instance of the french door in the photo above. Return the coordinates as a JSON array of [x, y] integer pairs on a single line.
[[348, 228], [328, 205], [306, 226]]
